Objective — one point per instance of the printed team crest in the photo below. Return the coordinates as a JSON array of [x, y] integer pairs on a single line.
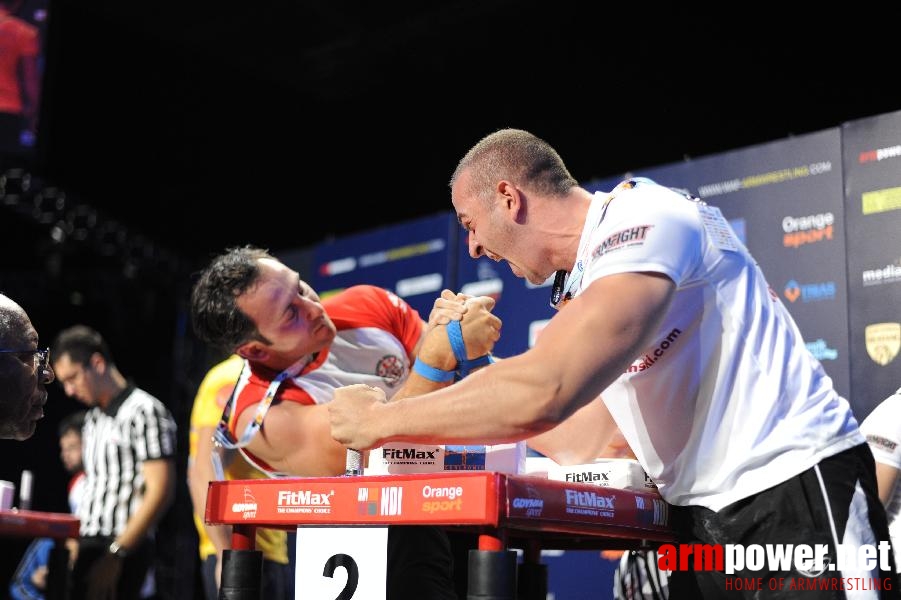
[[391, 369], [883, 341]]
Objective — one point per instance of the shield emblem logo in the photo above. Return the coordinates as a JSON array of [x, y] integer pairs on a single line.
[[883, 341]]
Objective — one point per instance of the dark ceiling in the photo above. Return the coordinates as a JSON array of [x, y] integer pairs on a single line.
[[205, 124]]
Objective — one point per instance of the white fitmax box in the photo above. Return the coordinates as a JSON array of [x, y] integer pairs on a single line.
[[620, 473], [399, 457]]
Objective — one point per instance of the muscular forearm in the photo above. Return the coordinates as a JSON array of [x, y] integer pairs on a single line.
[[584, 349], [483, 408], [579, 439]]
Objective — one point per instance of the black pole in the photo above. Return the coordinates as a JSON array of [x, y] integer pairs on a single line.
[[492, 575], [242, 575]]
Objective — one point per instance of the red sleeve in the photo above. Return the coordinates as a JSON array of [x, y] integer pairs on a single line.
[[371, 306]]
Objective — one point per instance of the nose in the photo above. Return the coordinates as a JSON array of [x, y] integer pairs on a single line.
[[310, 309], [475, 248], [47, 374]]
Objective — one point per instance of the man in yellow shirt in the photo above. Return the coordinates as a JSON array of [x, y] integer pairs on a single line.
[[214, 391]]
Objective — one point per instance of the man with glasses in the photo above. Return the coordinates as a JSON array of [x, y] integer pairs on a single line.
[[298, 349], [23, 373], [129, 450]]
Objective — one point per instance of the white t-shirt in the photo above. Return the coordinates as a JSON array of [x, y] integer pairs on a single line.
[[726, 401], [882, 428]]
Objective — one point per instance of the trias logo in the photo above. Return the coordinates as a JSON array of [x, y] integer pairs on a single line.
[[248, 508], [589, 503], [304, 502]]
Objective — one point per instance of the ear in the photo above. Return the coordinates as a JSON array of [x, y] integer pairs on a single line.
[[97, 363], [254, 351], [512, 198]]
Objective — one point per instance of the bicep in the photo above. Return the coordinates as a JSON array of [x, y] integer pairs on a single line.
[[595, 337], [296, 438]]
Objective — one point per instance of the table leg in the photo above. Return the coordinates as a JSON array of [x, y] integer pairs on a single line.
[[58, 571], [242, 567], [492, 571]]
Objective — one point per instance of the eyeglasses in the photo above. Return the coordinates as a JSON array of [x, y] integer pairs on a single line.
[[43, 357]]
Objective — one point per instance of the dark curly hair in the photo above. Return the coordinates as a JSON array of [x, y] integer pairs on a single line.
[[215, 315]]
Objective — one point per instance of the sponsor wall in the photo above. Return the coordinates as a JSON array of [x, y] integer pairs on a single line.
[[871, 150], [411, 259]]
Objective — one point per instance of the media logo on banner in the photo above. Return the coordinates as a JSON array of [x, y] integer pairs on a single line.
[[883, 341], [890, 273]]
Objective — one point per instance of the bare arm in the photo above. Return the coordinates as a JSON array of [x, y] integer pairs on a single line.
[[886, 479], [581, 438], [297, 438], [159, 490], [200, 474], [582, 350]]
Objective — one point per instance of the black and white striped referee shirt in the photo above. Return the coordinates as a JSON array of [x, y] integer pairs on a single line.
[[134, 427]]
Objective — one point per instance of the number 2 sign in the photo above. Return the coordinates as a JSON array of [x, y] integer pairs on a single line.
[[341, 563]]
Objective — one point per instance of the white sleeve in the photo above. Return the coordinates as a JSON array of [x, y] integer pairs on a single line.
[[648, 228], [882, 428]]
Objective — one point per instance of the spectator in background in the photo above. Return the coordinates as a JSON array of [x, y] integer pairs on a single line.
[[129, 448], [24, 371], [212, 395], [19, 78], [29, 582], [882, 428]]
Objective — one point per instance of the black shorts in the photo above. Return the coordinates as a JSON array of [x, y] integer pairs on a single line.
[[835, 502]]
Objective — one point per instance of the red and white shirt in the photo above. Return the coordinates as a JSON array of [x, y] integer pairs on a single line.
[[377, 333]]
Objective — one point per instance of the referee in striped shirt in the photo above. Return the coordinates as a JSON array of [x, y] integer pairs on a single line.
[[128, 450]]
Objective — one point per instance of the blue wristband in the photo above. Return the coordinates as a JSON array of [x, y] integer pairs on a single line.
[[431, 373], [455, 336], [467, 366], [464, 366]]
